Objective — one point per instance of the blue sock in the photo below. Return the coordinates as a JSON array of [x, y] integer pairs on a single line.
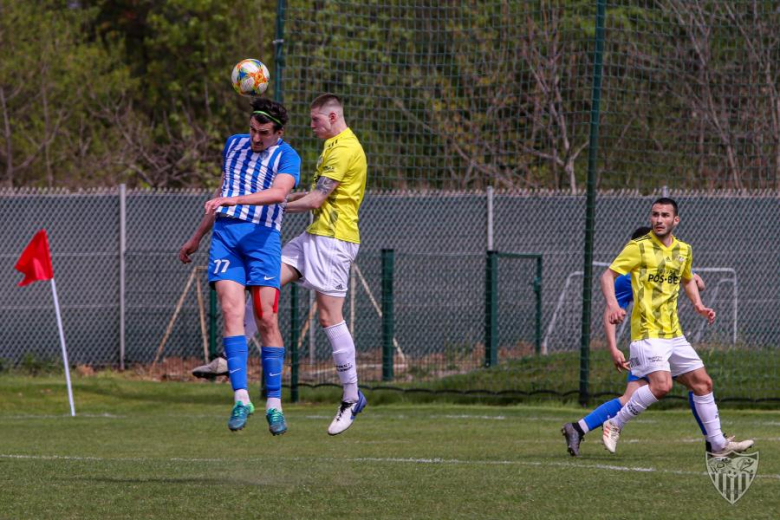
[[273, 365], [598, 416], [696, 414], [236, 353]]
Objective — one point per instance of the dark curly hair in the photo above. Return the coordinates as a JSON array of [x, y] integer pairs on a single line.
[[640, 232], [267, 111]]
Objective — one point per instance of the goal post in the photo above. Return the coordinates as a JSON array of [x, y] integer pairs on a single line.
[[570, 293], [492, 292]]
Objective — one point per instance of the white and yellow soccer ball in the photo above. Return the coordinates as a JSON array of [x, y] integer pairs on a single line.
[[250, 77]]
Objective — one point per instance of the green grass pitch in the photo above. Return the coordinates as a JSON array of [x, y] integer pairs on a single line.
[[162, 450]]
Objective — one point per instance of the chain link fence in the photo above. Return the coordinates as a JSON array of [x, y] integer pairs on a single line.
[[452, 100], [466, 94], [440, 292]]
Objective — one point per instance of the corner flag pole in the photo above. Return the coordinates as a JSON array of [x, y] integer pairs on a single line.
[[35, 264], [64, 349]]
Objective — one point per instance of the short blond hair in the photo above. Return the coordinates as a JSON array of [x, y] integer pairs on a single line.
[[327, 101]]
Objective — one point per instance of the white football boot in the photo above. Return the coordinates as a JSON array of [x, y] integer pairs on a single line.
[[217, 367], [732, 446], [346, 414], [610, 434]]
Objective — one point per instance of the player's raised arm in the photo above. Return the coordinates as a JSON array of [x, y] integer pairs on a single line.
[[192, 245], [276, 194], [292, 197], [313, 199]]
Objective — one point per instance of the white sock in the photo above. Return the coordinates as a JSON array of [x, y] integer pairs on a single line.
[[638, 403], [241, 395], [344, 358], [707, 411], [583, 425], [273, 402]]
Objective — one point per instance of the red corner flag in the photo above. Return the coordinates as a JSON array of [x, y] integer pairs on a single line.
[[35, 262], [35, 265]]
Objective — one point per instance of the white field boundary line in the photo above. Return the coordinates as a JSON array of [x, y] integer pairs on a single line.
[[315, 417], [64, 416], [379, 460], [552, 439], [379, 417]]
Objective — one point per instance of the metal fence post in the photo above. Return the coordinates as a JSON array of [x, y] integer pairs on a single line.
[[538, 291], [489, 193], [294, 335], [590, 205], [278, 42], [491, 309], [388, 260], [122, 267]]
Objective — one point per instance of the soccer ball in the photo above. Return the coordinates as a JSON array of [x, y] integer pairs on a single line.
[[250, 77]]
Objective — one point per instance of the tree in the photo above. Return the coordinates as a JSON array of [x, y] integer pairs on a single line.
[[50, 77], [181, 53]]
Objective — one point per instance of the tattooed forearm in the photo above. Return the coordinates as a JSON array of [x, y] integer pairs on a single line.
[[326, 185]]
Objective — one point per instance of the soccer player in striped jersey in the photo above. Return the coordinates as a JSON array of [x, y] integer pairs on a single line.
[[259, 170], [574, 432], [658, 264], [320, 258]]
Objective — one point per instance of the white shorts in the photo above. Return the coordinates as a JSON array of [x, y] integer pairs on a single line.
[[674, 355], [323, 262]]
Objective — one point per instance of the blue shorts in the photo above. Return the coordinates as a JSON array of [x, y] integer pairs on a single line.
[[246, 253], [631, 377]]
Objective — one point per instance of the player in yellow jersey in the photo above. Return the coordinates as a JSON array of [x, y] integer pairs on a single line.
[[320, 258], [659, 264]]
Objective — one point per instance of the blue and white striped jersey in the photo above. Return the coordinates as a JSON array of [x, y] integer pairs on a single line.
[[249, 172]]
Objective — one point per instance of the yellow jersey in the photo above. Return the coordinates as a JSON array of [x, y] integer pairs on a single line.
[[344, 161], [656, 272]]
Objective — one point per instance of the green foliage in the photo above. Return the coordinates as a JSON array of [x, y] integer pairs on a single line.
[[59, 89], [456, 353], [443, 95], [34, 365], [740, 375], [100, 92], [463, 95], [468, 94], [182, 54]]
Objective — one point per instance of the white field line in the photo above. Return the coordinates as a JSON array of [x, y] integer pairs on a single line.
[[421, 415], [379, 417], [81, 415], [551, 440], [381, 460], [461, 416]]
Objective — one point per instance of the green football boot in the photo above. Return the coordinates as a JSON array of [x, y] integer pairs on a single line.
[[239, 416], [276, 423]]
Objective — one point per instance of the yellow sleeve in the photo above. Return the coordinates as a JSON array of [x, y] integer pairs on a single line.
[[336, 165], [627, 259], [687, 273]]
